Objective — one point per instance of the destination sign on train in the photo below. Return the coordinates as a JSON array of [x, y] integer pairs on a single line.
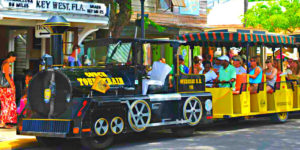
[[75, 7]]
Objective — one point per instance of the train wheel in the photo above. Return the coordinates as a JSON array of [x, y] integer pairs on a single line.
[[100, 142], [192, 110], [117, 125], [280, 117], [140, 115], [183, 132], [101, 126]]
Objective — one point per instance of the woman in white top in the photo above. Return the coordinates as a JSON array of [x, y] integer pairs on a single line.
[[210, 75]]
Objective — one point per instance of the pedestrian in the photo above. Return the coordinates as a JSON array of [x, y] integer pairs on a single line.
[[23, 101], [8, 114]]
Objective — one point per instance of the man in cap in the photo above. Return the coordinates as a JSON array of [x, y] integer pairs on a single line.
[[227, 73], [182, 67], [237, 63]]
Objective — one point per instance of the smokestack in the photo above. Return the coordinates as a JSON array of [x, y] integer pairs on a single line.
[[57, 25]]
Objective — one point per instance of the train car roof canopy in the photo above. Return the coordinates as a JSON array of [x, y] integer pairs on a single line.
[[235, 38]]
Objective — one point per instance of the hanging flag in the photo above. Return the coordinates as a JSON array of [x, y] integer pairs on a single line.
[[100, 85]]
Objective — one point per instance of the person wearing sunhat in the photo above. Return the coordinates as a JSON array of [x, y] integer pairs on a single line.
[[237, 63], [227, 73]]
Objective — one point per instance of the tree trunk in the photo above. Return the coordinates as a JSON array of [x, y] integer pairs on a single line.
[[118, 20], [245, 10]]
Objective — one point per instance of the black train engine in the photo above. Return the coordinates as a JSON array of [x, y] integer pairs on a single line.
[[62, 104]]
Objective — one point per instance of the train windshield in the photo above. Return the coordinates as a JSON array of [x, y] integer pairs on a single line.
[[117, 53]]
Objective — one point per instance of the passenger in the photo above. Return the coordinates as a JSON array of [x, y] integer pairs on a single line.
[[162, 60], [217, 64], [276, 65], [197, 66], [210, 75], [271, 75], [255, 74], [227, 73], [237, 63], [182, 67]]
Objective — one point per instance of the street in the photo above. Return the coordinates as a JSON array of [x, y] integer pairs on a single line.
[[249, 134]]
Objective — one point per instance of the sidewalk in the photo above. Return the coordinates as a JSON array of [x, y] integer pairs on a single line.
[[9, 140]]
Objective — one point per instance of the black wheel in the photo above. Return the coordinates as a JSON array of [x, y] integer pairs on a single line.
[[97, 142], [280, 117], [50, 140], [183, 132]]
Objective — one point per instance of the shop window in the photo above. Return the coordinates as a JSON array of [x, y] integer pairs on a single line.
[[169, 5], [36, 42]]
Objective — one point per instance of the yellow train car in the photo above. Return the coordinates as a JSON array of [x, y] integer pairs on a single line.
[[239, 102]]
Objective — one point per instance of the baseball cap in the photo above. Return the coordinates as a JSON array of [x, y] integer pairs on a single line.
[[180, 57], [224, 57]]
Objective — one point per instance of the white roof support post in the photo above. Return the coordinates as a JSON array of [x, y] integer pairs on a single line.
[[85, 32]]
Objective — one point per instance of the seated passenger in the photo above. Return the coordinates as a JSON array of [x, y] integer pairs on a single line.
[[227, 73], [182, 67], [197, 65], [255, 74], [271, 75], [210, 75], [217, 64], [237, 62]]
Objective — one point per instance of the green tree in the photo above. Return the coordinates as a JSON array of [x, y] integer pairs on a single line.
[[274, 16]]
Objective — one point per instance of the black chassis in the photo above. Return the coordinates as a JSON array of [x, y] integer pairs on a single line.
[[162, 111]]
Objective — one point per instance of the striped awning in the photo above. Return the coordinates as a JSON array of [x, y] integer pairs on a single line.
[[235, 37]]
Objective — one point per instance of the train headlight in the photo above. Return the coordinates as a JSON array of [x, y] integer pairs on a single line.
[[208, 105]]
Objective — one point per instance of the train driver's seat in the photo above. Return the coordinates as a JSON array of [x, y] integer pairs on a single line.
[[158, 76]]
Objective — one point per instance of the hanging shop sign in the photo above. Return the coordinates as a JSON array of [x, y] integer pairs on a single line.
[[74, 7], [41, 31]]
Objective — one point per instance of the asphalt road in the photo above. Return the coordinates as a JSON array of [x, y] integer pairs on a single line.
[[245, 135]]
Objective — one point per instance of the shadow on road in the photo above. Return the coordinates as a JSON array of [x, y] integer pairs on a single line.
[[166, 135]]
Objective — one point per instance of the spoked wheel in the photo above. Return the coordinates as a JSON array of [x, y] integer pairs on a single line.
[[101, 126], [192, 110], [97, 142], [139, 115], [117, 125], [280, 117]]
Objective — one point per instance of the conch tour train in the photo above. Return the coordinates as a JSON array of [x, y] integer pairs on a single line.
[[120, 94]]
